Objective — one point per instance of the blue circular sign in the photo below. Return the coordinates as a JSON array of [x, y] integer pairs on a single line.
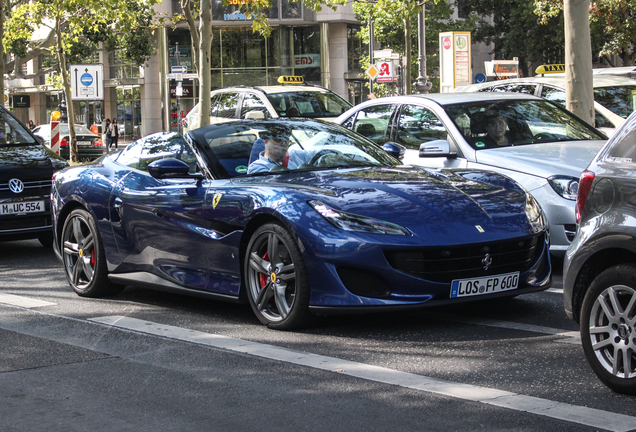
[[86, 79], [480, 78]]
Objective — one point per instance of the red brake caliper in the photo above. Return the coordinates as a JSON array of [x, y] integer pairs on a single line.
[[261, 277], [92, 257]]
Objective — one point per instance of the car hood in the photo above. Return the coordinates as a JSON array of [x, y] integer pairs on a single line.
[[28, 163], [429, 202], [543, 160]]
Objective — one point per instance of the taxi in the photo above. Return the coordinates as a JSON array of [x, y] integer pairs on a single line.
[[292, 98]]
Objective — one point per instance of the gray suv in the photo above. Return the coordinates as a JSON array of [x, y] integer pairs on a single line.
[[599, 274]]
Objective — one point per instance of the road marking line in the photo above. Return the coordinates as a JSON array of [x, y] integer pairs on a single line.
[[24, 302], [555, 290], [569, 336], [572, 413]]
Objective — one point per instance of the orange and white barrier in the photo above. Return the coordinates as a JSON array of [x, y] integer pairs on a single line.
[[55, 136]]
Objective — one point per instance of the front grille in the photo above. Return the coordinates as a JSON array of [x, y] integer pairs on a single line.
[[16, 223], [444, 264], [31, 188]]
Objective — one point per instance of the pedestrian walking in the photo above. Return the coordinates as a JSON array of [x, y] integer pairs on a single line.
[[114, 133], [107, 134]]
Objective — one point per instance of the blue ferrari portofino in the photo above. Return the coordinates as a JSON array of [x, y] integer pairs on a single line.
[[298, 218]]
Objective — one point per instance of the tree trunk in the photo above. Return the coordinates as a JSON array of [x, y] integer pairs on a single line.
[[205, 53], [67, 92], [579, 92]]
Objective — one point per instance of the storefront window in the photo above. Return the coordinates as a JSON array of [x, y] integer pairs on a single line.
[[129, 112], [121, 68], [356, 49], [291, 9], [307, 53], [232, 12]]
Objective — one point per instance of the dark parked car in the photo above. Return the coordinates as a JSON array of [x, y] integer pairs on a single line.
[[26, 169], [89, 145], [600, 265], [341, 227]]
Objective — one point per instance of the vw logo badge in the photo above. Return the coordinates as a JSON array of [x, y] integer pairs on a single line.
[[16, 185], [486, 261]]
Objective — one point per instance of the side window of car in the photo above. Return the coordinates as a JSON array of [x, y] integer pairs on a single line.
[[623, 151], [417, 125], [554, 95], [227, 105], [373, 122], [214, 105], [517, 88], [486, 89], [252, 102], [601, 121], [130, 155], [174, 147]]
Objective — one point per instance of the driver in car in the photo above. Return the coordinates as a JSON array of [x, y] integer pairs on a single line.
[[276, 144]]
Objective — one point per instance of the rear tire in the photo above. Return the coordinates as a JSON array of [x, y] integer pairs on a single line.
[[83, 257], [276, 279], [608, 327]]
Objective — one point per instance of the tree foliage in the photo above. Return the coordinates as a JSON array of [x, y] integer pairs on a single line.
[[391, 18], [612, 26], [516, 31], [72, 30]]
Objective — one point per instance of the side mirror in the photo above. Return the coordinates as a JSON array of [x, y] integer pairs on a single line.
[[255, 115], [171, 168], [436, 148], [40, 140], [394, 149]]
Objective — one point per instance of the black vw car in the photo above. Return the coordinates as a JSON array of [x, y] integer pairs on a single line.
[[26, 169]]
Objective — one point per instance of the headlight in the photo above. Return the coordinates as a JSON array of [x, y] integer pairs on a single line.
[[351, 222], [535, 214], [565, 186]]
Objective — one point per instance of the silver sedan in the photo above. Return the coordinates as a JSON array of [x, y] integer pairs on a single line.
[[533, 141]]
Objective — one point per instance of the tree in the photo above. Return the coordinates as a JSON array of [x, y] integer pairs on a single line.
[[75, 29], [612, 26], [516, 31], [394, 21], [201, 35]]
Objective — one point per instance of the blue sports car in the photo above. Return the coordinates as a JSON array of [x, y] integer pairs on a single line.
[[298, 218]]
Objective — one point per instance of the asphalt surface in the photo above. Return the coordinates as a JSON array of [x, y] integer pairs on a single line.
[[152, 361]]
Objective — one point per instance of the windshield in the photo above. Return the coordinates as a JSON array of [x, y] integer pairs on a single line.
[[257, 147], [311, 104], [12, 132], [491, 124], [620, 100]]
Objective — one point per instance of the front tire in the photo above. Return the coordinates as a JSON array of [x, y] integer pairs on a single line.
[[83, 257], [608, 327], [276, 278]]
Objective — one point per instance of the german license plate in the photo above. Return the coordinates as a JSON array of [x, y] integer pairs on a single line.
[[484, 285], [22, 207], [84, 143]]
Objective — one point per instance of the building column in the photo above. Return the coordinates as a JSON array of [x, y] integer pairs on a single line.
[[325, 74], [151, 92], [338, 56]]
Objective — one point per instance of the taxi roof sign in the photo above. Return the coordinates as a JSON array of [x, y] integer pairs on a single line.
[[291, 80], [554, 68]]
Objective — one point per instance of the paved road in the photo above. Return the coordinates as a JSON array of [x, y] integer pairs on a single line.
[[152, 361]]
